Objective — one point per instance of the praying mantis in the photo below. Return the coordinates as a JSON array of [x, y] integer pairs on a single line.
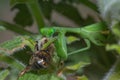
[[95, 33]]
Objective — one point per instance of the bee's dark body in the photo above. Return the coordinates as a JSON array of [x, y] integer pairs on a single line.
[[40, 58]]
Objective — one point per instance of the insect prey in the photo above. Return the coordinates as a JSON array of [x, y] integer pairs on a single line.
[[41, 58]]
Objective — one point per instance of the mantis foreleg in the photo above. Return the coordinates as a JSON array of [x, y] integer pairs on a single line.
[[83, 49]]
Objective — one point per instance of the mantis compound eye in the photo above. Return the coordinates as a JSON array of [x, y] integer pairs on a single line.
[[47, 31]]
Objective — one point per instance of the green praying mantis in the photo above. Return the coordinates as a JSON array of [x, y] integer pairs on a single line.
[[94, 33]]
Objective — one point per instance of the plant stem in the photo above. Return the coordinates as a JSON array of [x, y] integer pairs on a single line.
[[114, 72], [15, 28], [36, 12]]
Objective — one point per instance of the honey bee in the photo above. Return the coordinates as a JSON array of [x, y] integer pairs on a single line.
[[41, 57]]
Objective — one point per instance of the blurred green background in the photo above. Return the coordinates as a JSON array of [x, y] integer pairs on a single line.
[[64, 13]]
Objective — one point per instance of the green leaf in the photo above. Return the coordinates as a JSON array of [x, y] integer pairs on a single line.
[[113, 47], [13, 2], [10, 49], [32, 76], [68, 11], [19, 47], [75, 67], [82, 78], [71, 39], [4, 74], [23, 16], [12, 44], [23, 55], [116, 28], [87, 3], [34, 9], [17, 44]]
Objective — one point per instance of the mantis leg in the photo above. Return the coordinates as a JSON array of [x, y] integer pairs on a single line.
[[48, 43], [83, 49]]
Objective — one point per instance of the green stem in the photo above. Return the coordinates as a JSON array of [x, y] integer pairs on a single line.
[[15, 28], [36, 12]]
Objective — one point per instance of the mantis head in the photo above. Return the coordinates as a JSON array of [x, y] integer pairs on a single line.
[[47, 31]]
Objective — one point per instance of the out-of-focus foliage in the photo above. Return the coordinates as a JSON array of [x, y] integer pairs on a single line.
[[93, 64], [113, 21], [26, 19], [2, 28], [31, 76], [4, 74]]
